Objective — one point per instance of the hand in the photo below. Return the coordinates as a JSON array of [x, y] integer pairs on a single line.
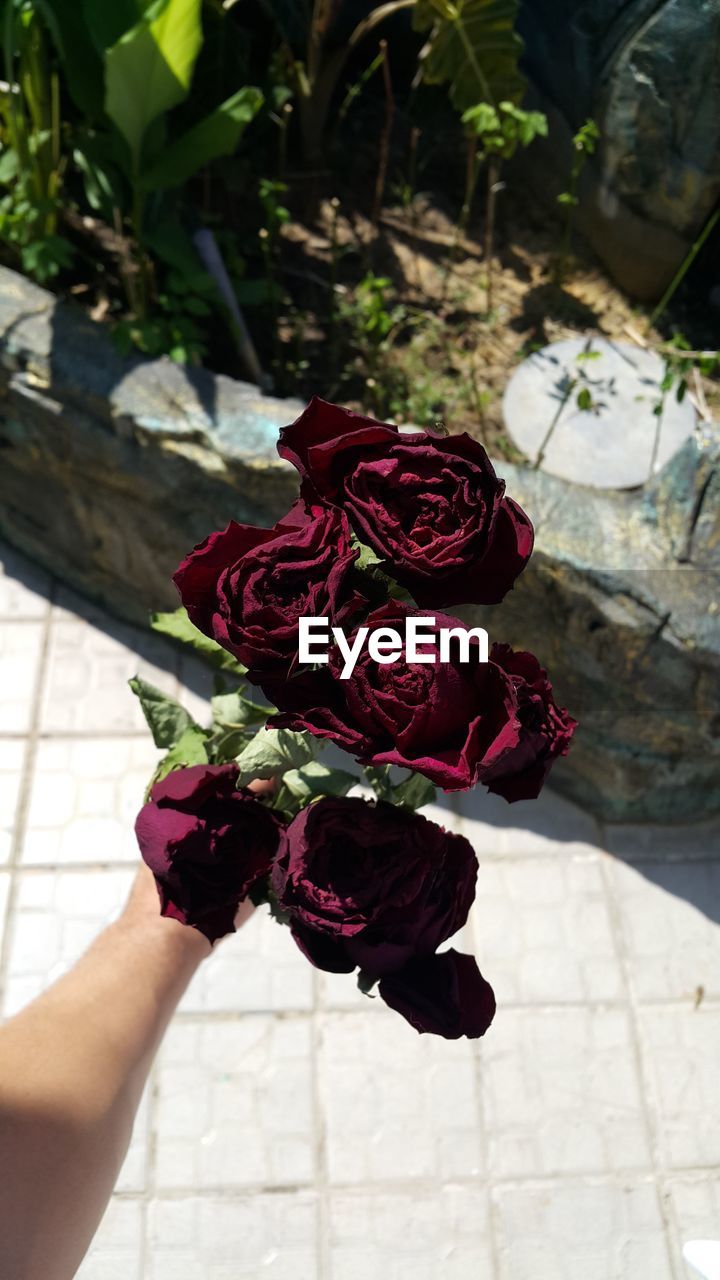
[[142, 904]]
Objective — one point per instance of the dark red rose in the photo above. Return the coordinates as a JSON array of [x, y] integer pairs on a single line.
[[206, 844], [433, 509], [450, 721], [446, 995], [372, 885], [247, 587], [546, 730]]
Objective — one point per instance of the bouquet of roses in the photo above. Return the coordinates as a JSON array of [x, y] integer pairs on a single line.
[[389, 529]]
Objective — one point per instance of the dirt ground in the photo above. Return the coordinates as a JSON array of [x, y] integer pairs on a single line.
[[446, 356]]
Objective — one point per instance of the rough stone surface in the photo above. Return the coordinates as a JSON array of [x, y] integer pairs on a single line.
[[112, 470], [621, 604], [648, 74], [620, 440]]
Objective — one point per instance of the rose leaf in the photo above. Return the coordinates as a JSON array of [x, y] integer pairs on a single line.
[[166, 719]]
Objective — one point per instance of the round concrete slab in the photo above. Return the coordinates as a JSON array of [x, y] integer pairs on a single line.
[[586, 407]]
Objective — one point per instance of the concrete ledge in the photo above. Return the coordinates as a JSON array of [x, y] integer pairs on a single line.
[[110, 469]]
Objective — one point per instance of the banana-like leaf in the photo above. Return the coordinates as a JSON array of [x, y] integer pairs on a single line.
[[83, 68], [149, 70], [106, 23], [472, 45], [217, 135]]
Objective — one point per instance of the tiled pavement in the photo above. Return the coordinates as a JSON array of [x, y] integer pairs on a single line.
[[294, 1128]]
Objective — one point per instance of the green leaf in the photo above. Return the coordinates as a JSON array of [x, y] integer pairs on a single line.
[[366, 982], [379, 780], [81, 63], [190, 749], [315, 779], [167, 720], [178, 626], [106, 23], [472, 45], [367, 559], [414, 792], [217, 135], [234, 711], [9, 165], [272, 752], [149, 70], [584, 400]]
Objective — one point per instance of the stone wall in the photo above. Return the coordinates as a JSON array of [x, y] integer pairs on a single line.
[[648, 72], [111, 469]]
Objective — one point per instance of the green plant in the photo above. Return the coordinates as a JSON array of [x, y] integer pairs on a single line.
[[684, 268], [373, 321], [33, 158], [584, 144], [147, 72], [314, 67], [472, 46], [499, 131], [276, 215]]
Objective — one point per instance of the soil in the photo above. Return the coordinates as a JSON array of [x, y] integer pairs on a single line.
[[447, 357]]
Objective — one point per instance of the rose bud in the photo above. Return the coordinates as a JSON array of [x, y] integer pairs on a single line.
[[450, 721], [206, 844], [247, 587], [371, 885], [432, 509], [446, 995], [546, 730]]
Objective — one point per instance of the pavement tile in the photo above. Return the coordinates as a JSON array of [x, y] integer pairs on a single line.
[[86, 687], [561, 1094], [85, 797], [23, 587], [116, 1251], [57, 915], [670, 916], [4, 892], [417, 1235], [20, 645], [543, 933], [12, 758], [234, 1105], [259, 969], [233, 1238], [694, 1204], [681, 1050], [640, 841], [548, 825], [395, 1104], [570, 1231]]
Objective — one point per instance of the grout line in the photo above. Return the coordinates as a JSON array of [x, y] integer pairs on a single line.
[[323, 1250], [429, 1185], [647, 1092], [24, 791]]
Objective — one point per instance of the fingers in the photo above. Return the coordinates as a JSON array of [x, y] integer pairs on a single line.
[[263, 786]]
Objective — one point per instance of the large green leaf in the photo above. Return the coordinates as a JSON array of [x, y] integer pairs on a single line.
[[472, 45], [150, 68], [217, 135], [108, 20], [82, 65]]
